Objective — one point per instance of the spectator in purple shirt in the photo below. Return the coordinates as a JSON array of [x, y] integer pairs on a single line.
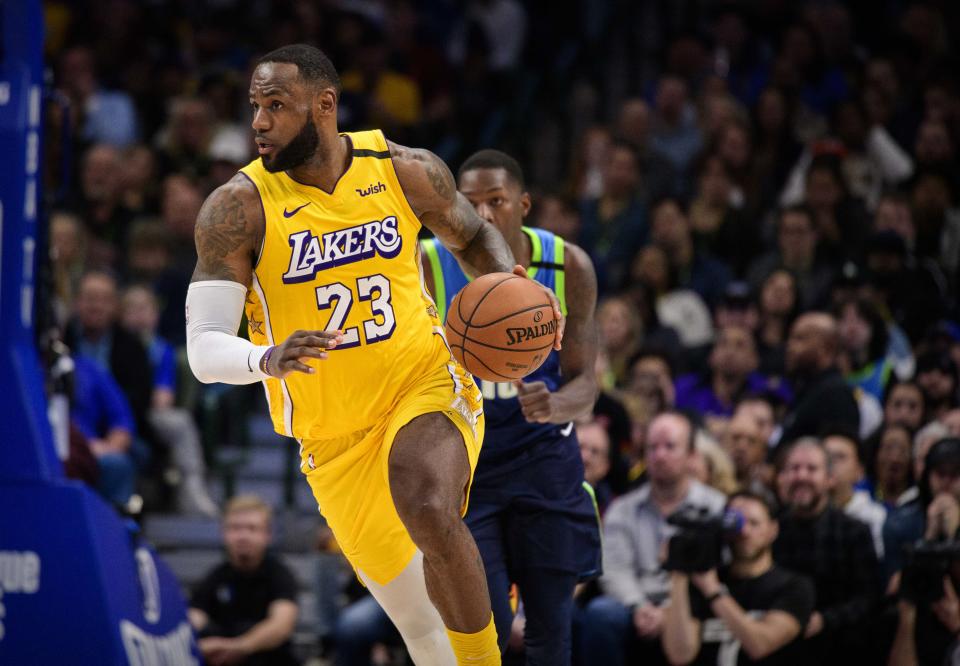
[[733, 373]]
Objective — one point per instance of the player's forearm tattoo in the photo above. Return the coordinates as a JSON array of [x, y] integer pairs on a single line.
[[440, 178], [452, 226], [221, 230], [447, 213], [487, 251]]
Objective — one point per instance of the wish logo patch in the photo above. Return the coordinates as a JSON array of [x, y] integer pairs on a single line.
[[376, 188]]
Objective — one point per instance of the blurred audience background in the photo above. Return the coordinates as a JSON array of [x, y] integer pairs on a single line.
[[770, 192]]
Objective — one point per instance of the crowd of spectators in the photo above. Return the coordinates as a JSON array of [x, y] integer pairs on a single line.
[[770, 193]]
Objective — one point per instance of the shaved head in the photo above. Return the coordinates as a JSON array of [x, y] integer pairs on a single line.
[[812, 344], [825, 327]]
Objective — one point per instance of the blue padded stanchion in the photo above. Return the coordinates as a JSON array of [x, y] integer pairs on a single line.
[[76, 584]]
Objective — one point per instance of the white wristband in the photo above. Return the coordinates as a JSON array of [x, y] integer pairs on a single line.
[[215, 353]]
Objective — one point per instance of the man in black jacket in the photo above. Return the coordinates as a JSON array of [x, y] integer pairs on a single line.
[[836, 552], [822, 395]]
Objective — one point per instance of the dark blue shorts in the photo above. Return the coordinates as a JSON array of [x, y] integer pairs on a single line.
[[534, 511]]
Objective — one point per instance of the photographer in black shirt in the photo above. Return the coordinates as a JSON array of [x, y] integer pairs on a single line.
[[752, 612]]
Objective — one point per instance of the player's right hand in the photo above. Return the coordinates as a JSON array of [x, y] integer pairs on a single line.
[[292, 354]]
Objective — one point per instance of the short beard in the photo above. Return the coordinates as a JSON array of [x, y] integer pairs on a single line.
[[300, 149], [741, 556], [806, 509]]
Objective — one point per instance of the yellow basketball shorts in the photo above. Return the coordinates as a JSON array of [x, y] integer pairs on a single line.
[[349, 475]]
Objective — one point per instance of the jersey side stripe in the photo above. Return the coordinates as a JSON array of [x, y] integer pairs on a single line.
[[596, 511], [430, 247], [287, 402], [536, 251], [559, 275]]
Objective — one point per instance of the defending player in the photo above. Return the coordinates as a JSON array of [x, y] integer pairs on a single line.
[[317, 241], [531, 513]]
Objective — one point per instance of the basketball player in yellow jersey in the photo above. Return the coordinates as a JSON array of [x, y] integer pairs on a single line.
[[318, 241]]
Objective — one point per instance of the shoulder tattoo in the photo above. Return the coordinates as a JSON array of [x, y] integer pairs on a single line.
[[222, 229]]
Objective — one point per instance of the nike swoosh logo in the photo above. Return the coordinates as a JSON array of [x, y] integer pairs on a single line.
[[295, 210]]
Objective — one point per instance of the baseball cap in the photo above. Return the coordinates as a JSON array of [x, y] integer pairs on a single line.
[[736, 295]]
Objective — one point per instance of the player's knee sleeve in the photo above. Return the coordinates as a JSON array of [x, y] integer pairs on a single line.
[[406, 602], [431, 650]]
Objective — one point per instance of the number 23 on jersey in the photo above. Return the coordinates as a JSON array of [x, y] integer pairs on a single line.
[[340, 298]]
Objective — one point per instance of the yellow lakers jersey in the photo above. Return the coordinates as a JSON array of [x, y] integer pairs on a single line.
[[348, 260]]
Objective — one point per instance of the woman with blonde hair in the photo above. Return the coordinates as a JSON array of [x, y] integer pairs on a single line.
[[711, 464]]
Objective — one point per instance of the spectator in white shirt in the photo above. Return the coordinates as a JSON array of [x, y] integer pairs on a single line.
[[846, 471]]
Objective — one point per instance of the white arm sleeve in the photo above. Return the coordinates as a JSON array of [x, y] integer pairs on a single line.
[[215, 353]]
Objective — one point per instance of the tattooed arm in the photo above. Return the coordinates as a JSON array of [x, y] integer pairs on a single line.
[[432, 193], [229, 231]]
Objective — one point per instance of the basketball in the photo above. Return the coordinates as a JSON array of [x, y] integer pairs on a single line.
[[501, 327]]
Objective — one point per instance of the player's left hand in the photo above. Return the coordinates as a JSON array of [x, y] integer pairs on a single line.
[[536, 401], [557, 312]]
